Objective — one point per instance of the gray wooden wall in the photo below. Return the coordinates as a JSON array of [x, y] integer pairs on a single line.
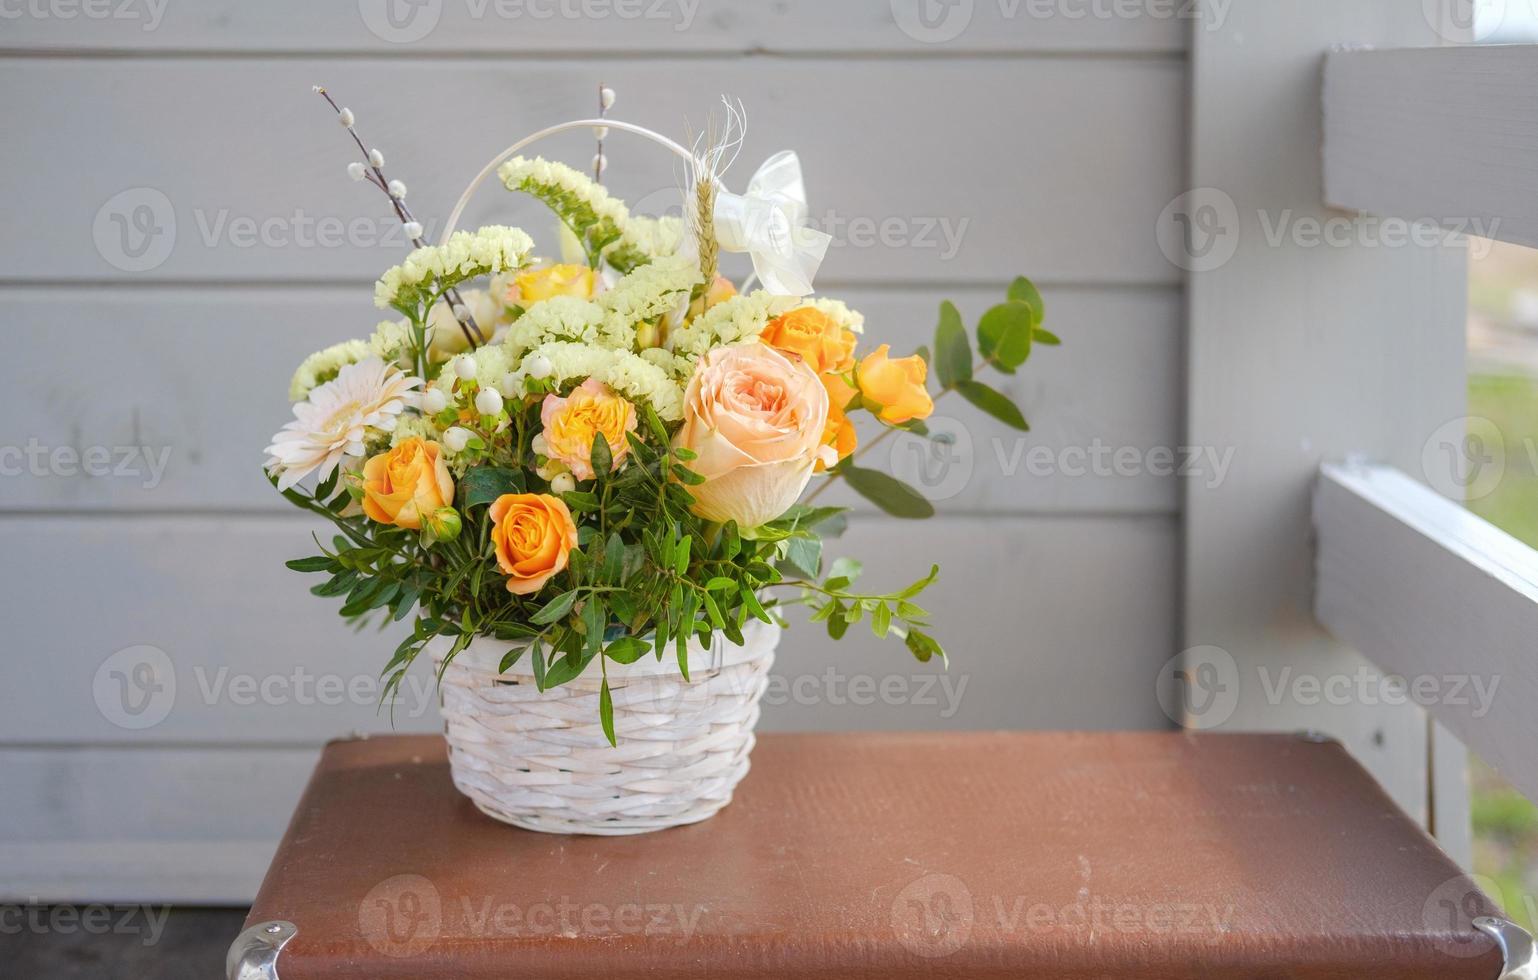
[[179, 232]]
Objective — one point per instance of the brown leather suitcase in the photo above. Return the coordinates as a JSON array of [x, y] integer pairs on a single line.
[[879, 857]]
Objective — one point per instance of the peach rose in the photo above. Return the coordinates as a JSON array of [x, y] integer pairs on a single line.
[[407, 483], [839, 434], [534, 535], [813, 336], [755, 419], [572, 422], [533, 285], [897, 385]]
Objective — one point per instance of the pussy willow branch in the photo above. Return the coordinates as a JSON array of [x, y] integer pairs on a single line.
[[462, 315], [603, 113]]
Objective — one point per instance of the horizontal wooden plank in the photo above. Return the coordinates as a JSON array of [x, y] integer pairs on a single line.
[[1447, 135], [233, 170], [1438, 597], [523, 27], [184, 387], [77, 825], [197, 633]]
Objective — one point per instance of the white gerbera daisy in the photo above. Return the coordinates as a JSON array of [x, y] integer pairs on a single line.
[[334, 421]]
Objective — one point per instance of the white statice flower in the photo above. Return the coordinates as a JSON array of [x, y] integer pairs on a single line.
[[322, 366], [557, 318], [851, 320], [493, 249], [363, 400], [547, 179], [412, 426], [567, 191], [631, 375], [656, 237], [676, 366], [731, 321], [648, 292], [391, 342]]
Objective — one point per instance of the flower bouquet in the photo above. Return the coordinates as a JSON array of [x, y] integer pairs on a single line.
[[582, 480]]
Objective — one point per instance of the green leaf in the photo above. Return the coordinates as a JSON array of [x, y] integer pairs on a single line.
[[685, 475], [890, 494], [880, 620], [627, 650], [953, 352], [1022, 290], [923, 646], [681, 556], [537, 662], [606, 712], [720, 583], [320, 563], [1046, 337], [554, 609], [599, 455], [484, 484], [994, 403], [510, 658], [804, 555], [1004, 334], [846, 568]]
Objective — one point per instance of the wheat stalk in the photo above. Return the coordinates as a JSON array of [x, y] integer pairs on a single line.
[[705, 228]]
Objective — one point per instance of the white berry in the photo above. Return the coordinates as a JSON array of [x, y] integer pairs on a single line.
[[456, 439], [538, 367], [563, 483], [464, 368], [489, 401], [434, 401]]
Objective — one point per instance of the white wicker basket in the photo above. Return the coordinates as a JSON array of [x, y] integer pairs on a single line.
[[541, 761]]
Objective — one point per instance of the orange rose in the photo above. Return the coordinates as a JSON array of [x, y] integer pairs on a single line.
[[552, 280], [839, 433], [407, 483], [897, 385], [813, 336], [533, 534]]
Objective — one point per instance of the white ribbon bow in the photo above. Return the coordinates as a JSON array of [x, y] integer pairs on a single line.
[[768, 222]]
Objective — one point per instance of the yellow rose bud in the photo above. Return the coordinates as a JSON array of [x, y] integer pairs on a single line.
[[572, 422], [444, 524], [404, 484], [534, 285], [721, 290], [533, 534], [839, 431], [897, 385], [813, 336]]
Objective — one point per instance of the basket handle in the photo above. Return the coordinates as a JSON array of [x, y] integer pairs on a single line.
[[497, 160]]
